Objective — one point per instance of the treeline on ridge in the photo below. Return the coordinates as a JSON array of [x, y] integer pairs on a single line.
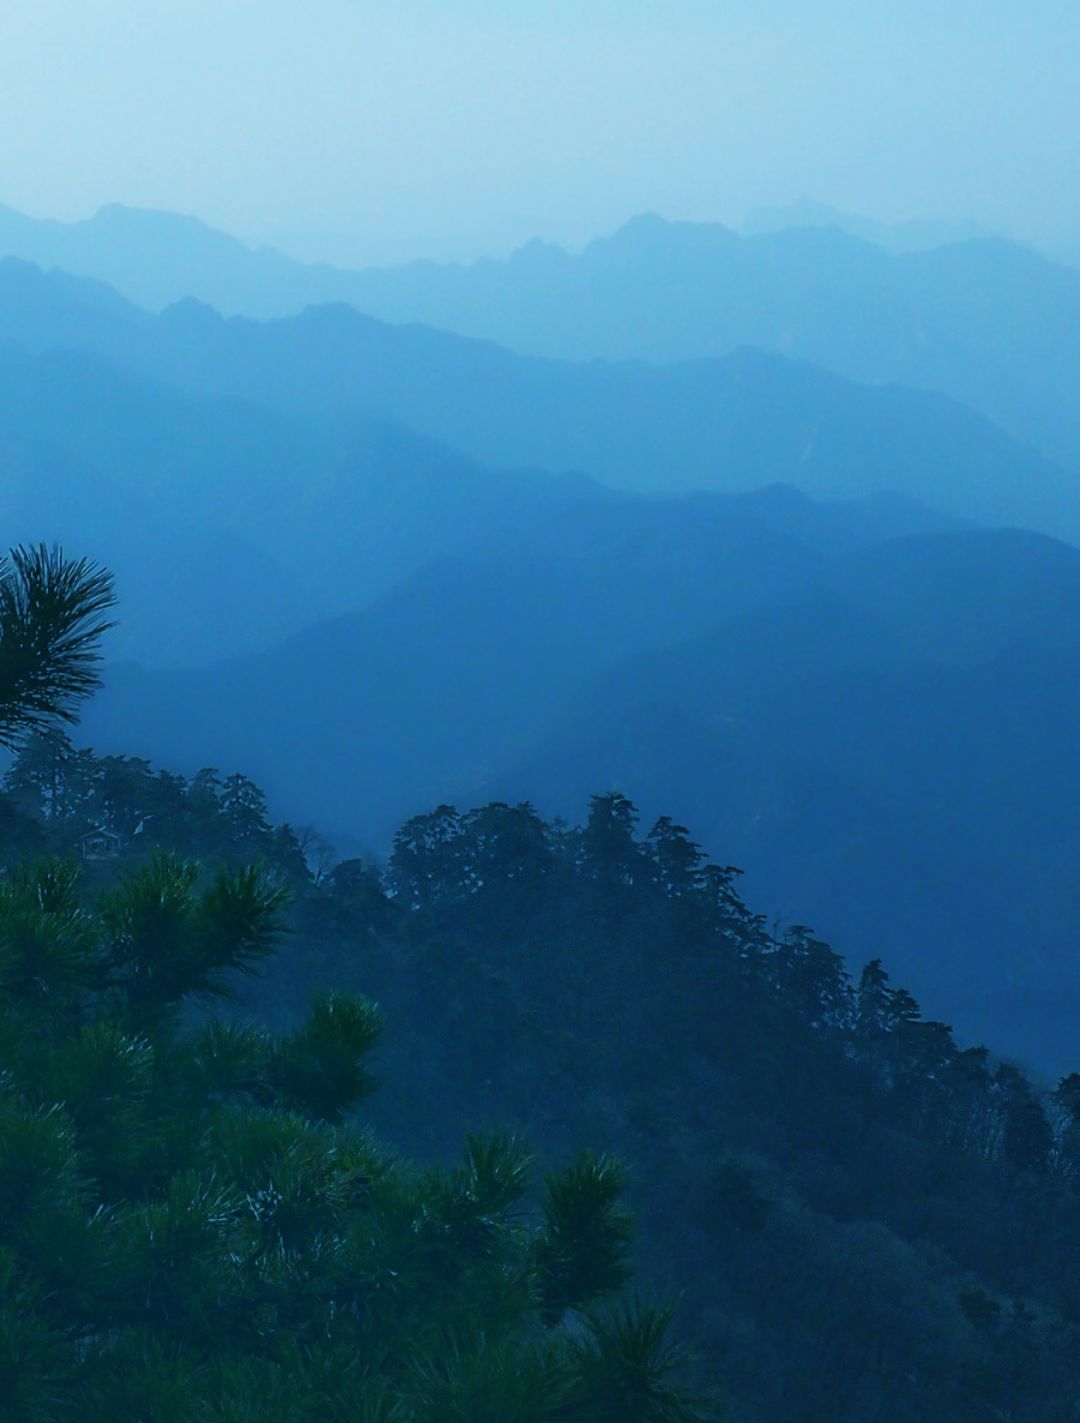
[[193, 1225], [861, 1216]]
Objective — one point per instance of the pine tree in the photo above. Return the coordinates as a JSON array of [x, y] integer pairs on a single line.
[[194, 1227]]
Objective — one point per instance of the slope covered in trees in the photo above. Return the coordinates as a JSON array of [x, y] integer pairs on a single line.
[[187, 1228], [871, 707], [189, 1231], [880, 730], [863, 1218]]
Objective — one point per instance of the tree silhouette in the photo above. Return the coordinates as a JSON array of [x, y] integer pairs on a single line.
[[53, 613], [195, 1227]]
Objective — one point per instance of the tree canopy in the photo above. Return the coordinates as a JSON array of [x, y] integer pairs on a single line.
[[195, 1226]]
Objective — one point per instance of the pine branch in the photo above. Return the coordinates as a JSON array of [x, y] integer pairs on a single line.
[[52, 618]]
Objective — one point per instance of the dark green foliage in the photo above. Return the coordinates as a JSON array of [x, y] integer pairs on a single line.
[[631, 1368], [501, 1384], [319, 1069], [194, 1227], [108, 809], [52, 617], [584, 1250], [861, 1217], [46, 938], [610, 852], [847, 1201], [165, 942]]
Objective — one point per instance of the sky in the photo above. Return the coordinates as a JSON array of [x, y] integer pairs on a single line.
[[358, 131]]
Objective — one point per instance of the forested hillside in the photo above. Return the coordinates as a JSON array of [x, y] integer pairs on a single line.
[[429, 626], [798, 679], [539, 775], [193, 1223], [861, 1217]]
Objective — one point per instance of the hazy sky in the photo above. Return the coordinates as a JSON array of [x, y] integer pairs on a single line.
[[358, 130]]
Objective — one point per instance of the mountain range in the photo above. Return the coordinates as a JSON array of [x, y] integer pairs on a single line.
[[906, 235], [729, 423], [377, 566], [230, 525], [873, 711], [828, 621], [987, 322]]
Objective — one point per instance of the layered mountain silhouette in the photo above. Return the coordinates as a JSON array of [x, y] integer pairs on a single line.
[[906, 235], [730, 423], [230, 525], [158, 258], [378, 566], [987, 322], [872, 711]]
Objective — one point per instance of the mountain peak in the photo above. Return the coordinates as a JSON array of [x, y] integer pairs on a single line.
[[651, 237], [193, 314]]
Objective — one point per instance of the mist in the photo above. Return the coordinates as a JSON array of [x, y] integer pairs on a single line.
[[358, 133]]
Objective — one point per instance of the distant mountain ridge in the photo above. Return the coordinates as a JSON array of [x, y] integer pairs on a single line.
[[873, 714], [156, 258], [907, 235], [300, 518], [984, 321], [728, 424], [426, 567]]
